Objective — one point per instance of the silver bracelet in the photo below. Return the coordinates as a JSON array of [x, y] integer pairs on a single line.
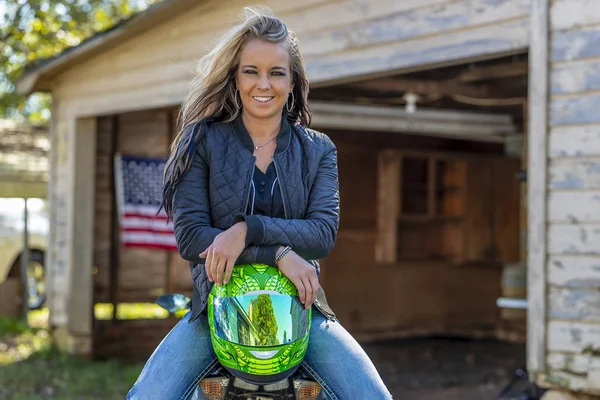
[[283, 252]]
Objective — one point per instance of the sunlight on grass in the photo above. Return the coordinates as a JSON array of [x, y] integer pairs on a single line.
[[48, 374], [102, 311], [38, 318], [32, 369], [19, 347], [18, 341], [128, 311], [131, 311]]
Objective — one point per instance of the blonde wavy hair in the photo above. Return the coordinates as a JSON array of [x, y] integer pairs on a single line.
[[212, 92]]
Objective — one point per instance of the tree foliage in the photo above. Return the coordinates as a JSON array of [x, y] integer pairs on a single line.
[[263, 319], [31, 30]]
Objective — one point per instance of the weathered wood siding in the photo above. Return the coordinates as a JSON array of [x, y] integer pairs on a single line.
[[340, 40], [70, 247], [573, 182], [453, 298]]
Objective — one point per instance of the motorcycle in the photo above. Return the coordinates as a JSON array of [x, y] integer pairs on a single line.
[[521, 388], [221, 384]]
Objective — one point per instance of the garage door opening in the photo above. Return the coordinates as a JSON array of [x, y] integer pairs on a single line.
[[433, 209]]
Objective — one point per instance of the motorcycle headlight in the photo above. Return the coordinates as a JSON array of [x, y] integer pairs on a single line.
[[306, 390], [214, 388]]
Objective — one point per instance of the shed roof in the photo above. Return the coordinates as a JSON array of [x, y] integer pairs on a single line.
[[38, 75]]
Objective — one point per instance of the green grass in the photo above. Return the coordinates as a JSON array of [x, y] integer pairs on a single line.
[[46, 374], [32, 369]]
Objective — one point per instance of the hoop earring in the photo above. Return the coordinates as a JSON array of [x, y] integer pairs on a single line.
[[287, 106], [235, 97]]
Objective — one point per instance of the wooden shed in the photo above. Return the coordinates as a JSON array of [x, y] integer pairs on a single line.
[[441, 211]]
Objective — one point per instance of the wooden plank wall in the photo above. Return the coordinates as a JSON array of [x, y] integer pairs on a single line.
[[340, 39], [143, 273], [145, 134], [451, 299], [131, 340], [573, 236]]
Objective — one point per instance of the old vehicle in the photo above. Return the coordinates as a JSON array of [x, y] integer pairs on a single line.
[[11, 245]]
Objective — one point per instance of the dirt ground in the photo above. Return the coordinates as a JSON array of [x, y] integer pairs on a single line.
[[446, 368]]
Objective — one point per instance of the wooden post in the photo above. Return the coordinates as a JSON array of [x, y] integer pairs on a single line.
[[431, 187], [388, 206], [537, 187], [76, 335], [523, 209], [115, 244], [24, 265]]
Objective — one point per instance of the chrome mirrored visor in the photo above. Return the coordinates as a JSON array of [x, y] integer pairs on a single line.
[[260, 319]]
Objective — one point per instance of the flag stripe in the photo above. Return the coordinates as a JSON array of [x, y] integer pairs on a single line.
[[145, 223], [150, 246], [139, 194], [142, 209], [148, 237]]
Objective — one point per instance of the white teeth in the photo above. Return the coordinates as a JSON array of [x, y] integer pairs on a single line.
[[263, 99]]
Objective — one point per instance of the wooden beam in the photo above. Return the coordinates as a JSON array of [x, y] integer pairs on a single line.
[[427, 52], [440, 123], [423, 87], [115, 242], [537, 190], [388, 206], [431, 187], [476, 74]]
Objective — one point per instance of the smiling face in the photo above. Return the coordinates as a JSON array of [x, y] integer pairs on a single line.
[[264, 79]]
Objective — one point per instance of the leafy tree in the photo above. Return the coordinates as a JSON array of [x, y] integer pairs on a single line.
[[263, 319], [32, 30]]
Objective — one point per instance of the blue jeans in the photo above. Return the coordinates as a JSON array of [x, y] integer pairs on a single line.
[[334, 359]]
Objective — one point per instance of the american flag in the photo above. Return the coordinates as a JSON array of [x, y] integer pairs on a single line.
[[139, 183]]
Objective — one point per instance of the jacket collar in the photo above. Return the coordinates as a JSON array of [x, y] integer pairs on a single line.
[[283, 138]]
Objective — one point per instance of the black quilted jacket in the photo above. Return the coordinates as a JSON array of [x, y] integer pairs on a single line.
[[215, 192]]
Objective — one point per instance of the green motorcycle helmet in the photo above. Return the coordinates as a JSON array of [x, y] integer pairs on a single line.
[[258, 327]]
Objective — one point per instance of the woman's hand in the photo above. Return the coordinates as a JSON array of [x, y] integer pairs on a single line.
[[222, 254], [303, 275]]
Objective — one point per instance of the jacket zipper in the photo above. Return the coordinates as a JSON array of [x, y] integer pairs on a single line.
[[285, 211], [249, 186]]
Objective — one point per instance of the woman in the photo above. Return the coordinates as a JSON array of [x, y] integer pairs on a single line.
[[245, 183]]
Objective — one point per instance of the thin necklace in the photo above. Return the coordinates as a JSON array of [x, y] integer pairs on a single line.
[[264, 144]]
